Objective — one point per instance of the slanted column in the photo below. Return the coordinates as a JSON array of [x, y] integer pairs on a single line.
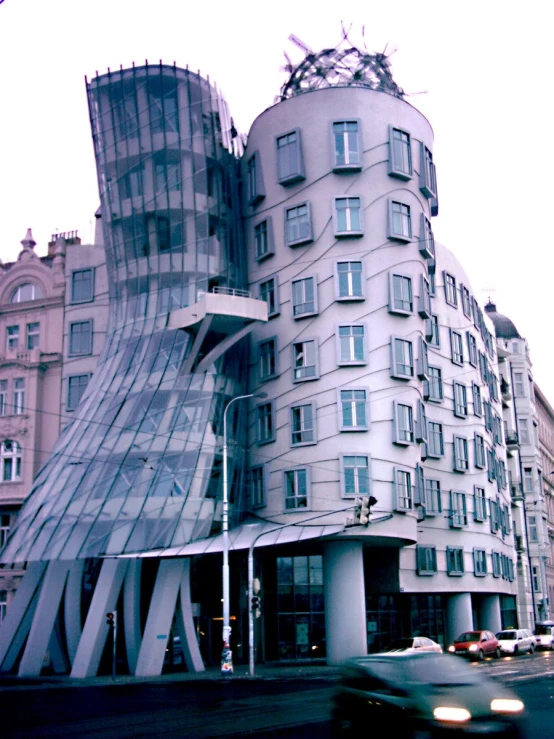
[[489, 615], [345, 610]]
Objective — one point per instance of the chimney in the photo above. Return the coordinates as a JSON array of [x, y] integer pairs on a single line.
[[70, 237]]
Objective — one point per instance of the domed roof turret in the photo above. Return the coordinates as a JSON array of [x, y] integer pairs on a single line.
[[504, 327]]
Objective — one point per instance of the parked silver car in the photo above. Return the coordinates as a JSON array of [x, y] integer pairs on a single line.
[[515, 641]]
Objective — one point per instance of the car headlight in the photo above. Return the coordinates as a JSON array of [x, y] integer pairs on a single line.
[[454, 715], [474, 648], [507, 705], [452, 648]]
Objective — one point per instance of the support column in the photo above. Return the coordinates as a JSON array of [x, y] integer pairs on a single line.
[[489, 614], [131, 612], [459, 615], [345, 610], [44, 618], [185, 623]]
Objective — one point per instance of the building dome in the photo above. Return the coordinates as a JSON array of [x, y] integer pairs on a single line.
[[503, 326]]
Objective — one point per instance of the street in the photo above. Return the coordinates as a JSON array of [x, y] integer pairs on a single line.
[[198, 709]]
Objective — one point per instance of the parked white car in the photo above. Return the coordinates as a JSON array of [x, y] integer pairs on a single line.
[[515, 641], [544, 634]]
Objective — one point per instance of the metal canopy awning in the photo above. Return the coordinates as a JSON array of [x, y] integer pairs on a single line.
[[242, 537]]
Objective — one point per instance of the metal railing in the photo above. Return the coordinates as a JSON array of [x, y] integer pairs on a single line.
[[221, 290]]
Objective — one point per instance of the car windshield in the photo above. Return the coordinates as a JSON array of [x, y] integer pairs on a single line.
[[399, 644], [428, 669], [469, 636], [506, 635], [543, 630]]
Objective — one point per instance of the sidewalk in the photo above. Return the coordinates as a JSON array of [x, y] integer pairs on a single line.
[[262, 672]]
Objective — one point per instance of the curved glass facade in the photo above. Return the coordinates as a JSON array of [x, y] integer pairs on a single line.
[[139, 466]]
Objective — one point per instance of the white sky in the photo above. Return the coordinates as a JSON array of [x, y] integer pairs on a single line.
[[485, 67]]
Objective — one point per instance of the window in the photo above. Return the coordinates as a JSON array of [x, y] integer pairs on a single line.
[[460, 400], [82, 285], [12, 337], [479, 504], [477, 401], [434, 334], [305, 365], [80, 338], [401, 299], [263, 239], [346, 140], [454, 561], [348, 217], [527, 479], [400, 154], [524, 430], [496, 566], [456, 348], [298, 224], [402, 359], [267, 359], [433, 503], [427, 174], [290, 165], [432, 388], [461, 457], [531, 390], [33, 335], [257, 487], [10, 456], [400, 221], [426, 560], [296, 488], [25, 292], [403, 490], [351, 345], [435, 444], [479, 562], [533, 530], [479, 450], [18, 395], [254, 180], [426, 239], [466, 301], [403, 423], [4, 532], [355, 475], [269, 291], [349, 281], [304, 297], [424, 305], [353, 409], [4, 411], [472, 349], [302, 422], [536, 578], [491, 465], [266, 425], [77, 384], [421, 423], [519, 387], [167, 176], [450, 292], [458, 509]]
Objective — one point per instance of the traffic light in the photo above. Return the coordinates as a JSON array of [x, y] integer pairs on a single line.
[[362, 510], [256, 606], [110, 619]]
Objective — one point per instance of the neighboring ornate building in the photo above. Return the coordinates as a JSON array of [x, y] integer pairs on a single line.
[[31, 350], [545, 414], [525, 468]]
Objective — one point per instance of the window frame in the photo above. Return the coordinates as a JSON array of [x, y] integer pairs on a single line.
[[424, 298], [403, 503], [465, 300], [16, 458], [302, 239], [460, 411], [456, 348], [479, 451], [394, 366], [435, 339], [394, 169], [351, 362], [433, 382], [427, 172], [269, 238], [71, 352], [479, 503], [341, 234], [479, 562], [30, 335], [450, 289], [399, 309], [406, 217], [426, 560], [347, 166], [313, 430], [433, 497], [295, 470], [350, 280], [12, 339], [359, 427], [455, 565], [458, 509], [256, 503], [272, 436], [305, 314], [300, 174], [18, 396], [409, 431], [69, 406], [90, 299], [274, 278], [294, 367], [255, 190], [426, 238], [433, 435], [477, 400], [272, 340], [472, 356], [460, 448], [343, 474]]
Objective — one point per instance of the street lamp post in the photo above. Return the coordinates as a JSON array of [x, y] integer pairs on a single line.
[[227, 658]]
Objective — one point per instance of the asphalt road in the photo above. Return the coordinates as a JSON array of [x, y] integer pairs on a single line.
[[200, 709]]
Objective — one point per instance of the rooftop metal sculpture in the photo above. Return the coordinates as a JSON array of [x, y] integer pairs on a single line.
[[343, 66]]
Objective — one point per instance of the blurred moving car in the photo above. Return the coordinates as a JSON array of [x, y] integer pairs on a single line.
[[414, 644], [515, 641], [422, 695], [544, 634], [476, 645]]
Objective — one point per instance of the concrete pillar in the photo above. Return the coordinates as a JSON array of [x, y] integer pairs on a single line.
[[345, 610], [131, 612], [185, 622], [72, 607], [489, 613], [459, 615]]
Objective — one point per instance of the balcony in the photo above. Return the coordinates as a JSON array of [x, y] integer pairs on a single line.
[[512, 440], [505, 391], [516, 491]]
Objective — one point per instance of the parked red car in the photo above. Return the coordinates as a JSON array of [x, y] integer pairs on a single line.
[[476, 645]]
